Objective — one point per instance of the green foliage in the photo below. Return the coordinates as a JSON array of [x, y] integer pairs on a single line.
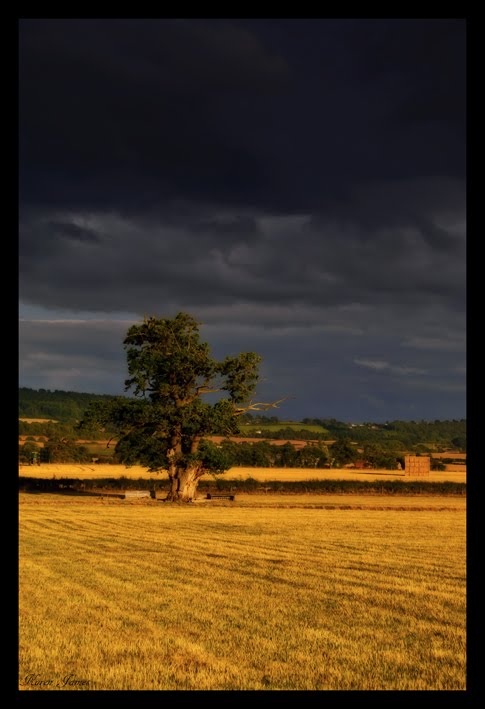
[[241, 375], [342, 453], [63, 430], [266, 455], [421, 449], [286, 456], [167, 361], [394, 435], [258, 419], [67, 406], [378, 457], [62, 450], [213, 458], [407, 433], [27, 451], [286, 432], [459, 442], [313, 456]]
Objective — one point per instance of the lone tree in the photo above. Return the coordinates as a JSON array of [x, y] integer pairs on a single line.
[[163, 427]]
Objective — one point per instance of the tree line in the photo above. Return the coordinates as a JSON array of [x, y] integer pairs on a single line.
[[403, 433], [233, 454], [66, 406]]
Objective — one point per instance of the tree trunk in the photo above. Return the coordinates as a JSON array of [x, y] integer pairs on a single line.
[[183, 483]]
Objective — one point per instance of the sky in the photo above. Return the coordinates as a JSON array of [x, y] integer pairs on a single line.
[[299, 186]]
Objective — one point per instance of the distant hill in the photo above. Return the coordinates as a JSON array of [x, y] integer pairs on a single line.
[[64, 406], [67, 407], [409, 433]]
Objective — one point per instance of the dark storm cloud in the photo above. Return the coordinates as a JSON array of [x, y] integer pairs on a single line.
[[368, 321], [427, 60], [132, 113], [69, 230], [415, 259], [285, 116], [297, 185], [402, 202]]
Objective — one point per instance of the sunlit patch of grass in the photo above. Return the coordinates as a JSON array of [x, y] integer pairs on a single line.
[[102, 470], [160, 596]]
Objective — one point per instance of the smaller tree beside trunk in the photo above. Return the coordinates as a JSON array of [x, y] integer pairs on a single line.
[[164, 426]]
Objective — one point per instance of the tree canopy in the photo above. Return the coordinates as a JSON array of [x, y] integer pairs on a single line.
[[170, 372]]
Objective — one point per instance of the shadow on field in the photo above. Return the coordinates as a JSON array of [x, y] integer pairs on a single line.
[[75, 493], [373, 471]]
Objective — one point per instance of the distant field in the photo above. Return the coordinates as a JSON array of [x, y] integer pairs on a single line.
[[99, 448], [450, 454], [48, 470], [150, 596], [336, 474], [37, 440], [283, 424], [27, 420], [297, 443]]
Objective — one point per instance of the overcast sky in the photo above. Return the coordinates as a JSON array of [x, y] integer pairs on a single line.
[[297, 185]]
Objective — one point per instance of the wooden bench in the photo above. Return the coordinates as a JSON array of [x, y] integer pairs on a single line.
[[136, 494], [210, 496]]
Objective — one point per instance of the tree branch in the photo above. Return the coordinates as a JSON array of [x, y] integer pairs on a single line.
[[206, 390], [259, 406], [206, 387]]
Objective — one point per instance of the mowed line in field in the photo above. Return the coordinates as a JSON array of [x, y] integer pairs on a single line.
[[171, 597], [316, 500], [72, 470]]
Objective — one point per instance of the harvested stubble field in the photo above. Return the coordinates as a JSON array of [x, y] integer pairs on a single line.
[[450, 454], [74, 470], [214, 596], [352, 501], [34, 420]]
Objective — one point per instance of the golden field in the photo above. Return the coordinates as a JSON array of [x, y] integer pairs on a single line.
[[30, 420], [223, 596], [355, 501], [83, 471], [450, 454]]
